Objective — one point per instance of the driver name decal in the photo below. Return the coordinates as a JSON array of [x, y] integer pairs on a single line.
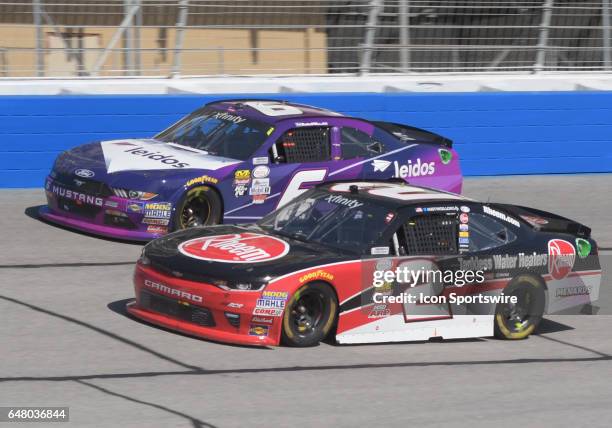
[[235, 248]]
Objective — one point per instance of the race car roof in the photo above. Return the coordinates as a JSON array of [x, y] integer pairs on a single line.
[[396, 193], [248, 107]]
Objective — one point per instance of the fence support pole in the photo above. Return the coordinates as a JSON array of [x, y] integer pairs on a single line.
[[543, 37], [404, 35], [370, 36], [605, 21], [40, 55], [181, 22]]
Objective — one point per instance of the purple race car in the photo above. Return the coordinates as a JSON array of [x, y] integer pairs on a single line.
[[233, 162]]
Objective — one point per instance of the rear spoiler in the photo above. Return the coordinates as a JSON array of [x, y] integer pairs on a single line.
[[410, 132], [545, 221]]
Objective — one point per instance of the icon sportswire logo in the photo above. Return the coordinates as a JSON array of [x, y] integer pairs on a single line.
[[235, 248]]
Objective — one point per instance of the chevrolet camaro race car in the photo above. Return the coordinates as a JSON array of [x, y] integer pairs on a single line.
[[233, 162], [332, 261]]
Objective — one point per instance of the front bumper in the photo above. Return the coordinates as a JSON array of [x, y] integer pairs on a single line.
[[200, 310], [109, 216]]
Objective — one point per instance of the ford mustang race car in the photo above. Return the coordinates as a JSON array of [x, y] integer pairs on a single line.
[[369, 261], [233, 162]]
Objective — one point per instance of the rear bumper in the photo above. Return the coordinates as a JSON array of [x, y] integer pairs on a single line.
[[210, 298]]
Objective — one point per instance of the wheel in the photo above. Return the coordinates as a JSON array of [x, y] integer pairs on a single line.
[[201, 206], [309, 315], [518, 321]]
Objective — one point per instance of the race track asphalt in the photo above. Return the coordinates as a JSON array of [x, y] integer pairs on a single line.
[[65, 340]]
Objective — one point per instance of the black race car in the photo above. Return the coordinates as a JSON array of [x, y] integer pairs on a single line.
[[371, 261]]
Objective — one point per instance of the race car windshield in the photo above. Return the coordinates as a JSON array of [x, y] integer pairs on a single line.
[[218, 133], [333, 220]]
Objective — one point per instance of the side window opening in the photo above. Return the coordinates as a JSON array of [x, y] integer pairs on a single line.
[[356, 143], [302, 145], [434, 234], [487, 233]]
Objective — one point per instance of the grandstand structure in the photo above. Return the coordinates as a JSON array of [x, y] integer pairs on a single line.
[[162, 38]]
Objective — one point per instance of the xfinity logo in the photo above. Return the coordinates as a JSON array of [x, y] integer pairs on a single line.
[[172, 291], [416, 169], [85, 173], [157, 156], [341, 200], [229, 117]]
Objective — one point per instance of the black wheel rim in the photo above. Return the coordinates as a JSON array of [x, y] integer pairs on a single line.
[[518, 316], [196, 212], [306, 313]]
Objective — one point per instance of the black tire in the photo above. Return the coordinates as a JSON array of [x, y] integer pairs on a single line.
[[514, 322], [309, 315], [200, 206]]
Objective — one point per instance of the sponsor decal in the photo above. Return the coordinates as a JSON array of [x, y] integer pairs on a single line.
[[229, 117], [379, 251], [157, 229], [445, 156], [242, 176], [261, 160], [580, 290], [416, 169], [157, 214], [311, 124], [561, 258], [76, 196], [476, 264], [464, 241], [317, 274], [463, 227], [534, 220], [464, 234], [235, 305], [261, 171], [135, 155], [268, 312], [85, 173], [111, 204], [201, 180], [164, 206], [259, 199], [419, 209], [494, 213], [156, 221], [379, 311], [235, 248], [584, 247], [240, 190], [521, 260], [258, 330], [463, 218], [262, 320], [341, 200], [173, 291], [380, 165], [389, 218], [134, 207], [464, 209], [260, 186]]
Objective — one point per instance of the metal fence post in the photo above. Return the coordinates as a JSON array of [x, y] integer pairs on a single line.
[[404, 35], [181, 22], [605, 34], [370, 36], [40, 55], [543, 37]]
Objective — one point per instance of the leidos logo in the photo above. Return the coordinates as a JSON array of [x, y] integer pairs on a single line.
[[416, 169], [235, 248], [156, 156], [561, 258]]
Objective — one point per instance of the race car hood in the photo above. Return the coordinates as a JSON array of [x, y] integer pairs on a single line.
[[130, 163], [244, 253]]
